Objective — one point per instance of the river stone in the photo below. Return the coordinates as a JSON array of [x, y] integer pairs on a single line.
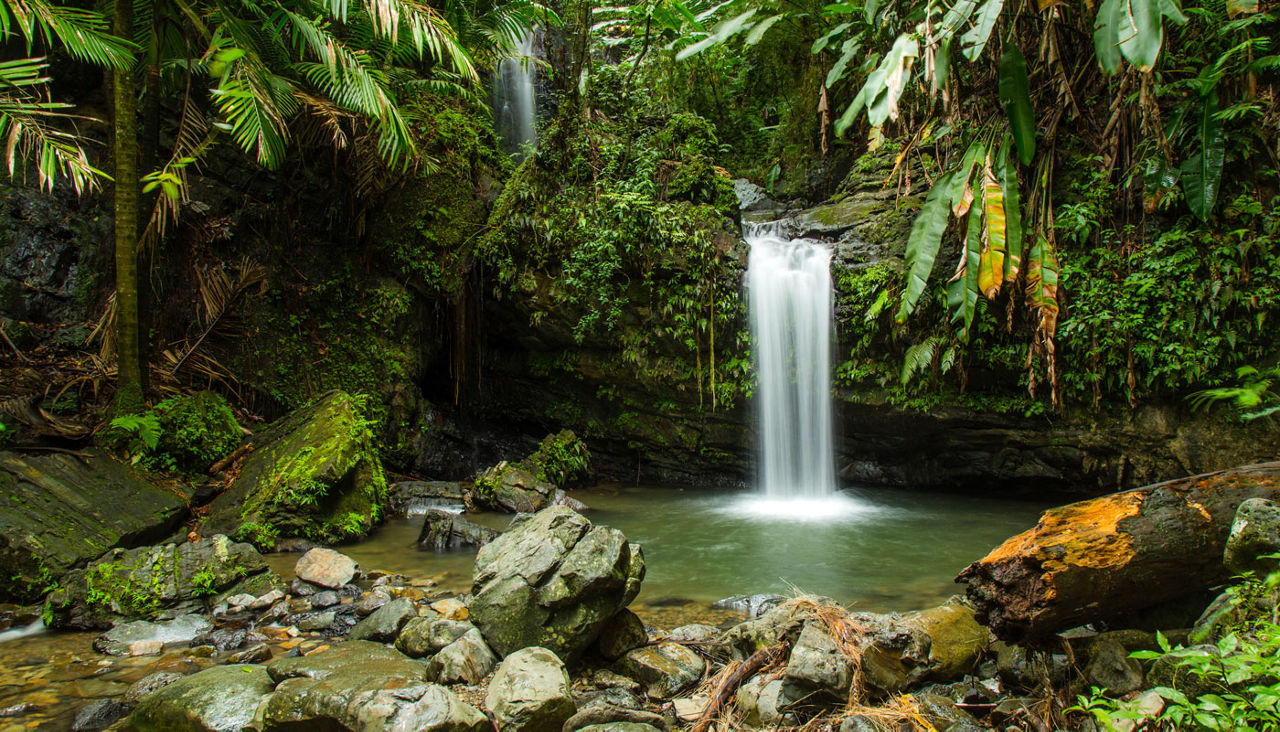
[[368, 704], [1111, 668], [506, 487], [314, 473], [99, 714], [665, 669], [312, 622], [465, 661], [1254, 533], [58, 511], [218, 699], [415, 497], [624, 632], [155, 581], [444, 530], [119, 640], [695, 633], [326, 568], [552, 580], [944, 715], [427, 635], [530, 692], [619, 727], [145, 686], [817, 665], [385, 623], [760, 702]]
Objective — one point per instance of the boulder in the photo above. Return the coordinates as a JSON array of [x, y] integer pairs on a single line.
[[59, 511], [938, 644], [443, 530], [535, 482], [760, 702], [664, 670], [158, 581], [368, 704], [149, 684], [99, 714], [122, 639], [415, 497], [818, 667], [530, 692], [218, 699], [427, 635], [552, 580], [315, 473], [352, 658], [624, 632], [1111, 668], [326, 568], [465, 661], [1255, 533], [943, 714], [505, 487], [385, 623]]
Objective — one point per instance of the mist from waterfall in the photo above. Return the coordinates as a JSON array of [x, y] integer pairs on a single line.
[[513, 98]]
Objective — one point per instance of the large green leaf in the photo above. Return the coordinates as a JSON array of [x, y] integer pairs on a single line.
[[720, 34], [894, 70], [1141, 33], [975, 39], [1015, 96], [962, 291], [1008, 175], [956, 16], [1106, 35], [923, 244], [1202, 173], [941, 65]]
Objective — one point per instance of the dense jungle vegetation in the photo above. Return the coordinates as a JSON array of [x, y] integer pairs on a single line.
[[1081, 200]]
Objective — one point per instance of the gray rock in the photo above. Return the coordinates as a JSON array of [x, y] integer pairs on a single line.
[[465, 661], [267, 600], [143, 687], [552, 580], [761, 703], [530, 692], [385, 623], [695, 633], [818, 666], [218, 699], [368, 704], [58, 512], [119, 640], [753, 605], [443, 530], [944, 715], [99, 714], [506, 487], [322, 600], [256, 653], [241, 600], [1111, 668], [601, 714], [376, 599], [316, 621], [326, 568], [223, 639], [620, 727], [752, 197], [664, 670], [624, 632], [861, 723], [1254, 533], [427, 635], [416, 497]]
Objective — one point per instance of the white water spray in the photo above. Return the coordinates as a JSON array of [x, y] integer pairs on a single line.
[[513, 99]]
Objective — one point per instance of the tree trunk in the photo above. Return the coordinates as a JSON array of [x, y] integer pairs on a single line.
[[1097, 559], [130, 375]]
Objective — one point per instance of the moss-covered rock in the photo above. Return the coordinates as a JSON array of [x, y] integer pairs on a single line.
[[315, 473], [148, 582], [561, 459], [59, 511], [197, 430]]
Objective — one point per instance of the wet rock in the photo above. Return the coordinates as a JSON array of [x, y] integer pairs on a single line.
[[443, 530], [530, 692], [761, 703], [257, 653], [552, 580], [818, 667], [222, 639], [465, 661], [665, 669], [416, 497], [695, 633], [452, 608], [143, 687], [222, 698], [99, 714], [58, 512], [1111, 668], [375, 600], [123, 639], [316, 621], [322, 600], [753, 605], [155, 581], [385, 623], [753, 198], [624, 632], [427, 635], [326, 568], [944, 715], [349, 658], [1255, 533], [314, 473]]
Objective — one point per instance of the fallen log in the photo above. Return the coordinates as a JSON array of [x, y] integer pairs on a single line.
[[1098, 559]]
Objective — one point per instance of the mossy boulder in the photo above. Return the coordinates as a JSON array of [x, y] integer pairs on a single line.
[[314, 473], [561, 459], [218, 698], [59, 511], [158, 581], [197, 430]]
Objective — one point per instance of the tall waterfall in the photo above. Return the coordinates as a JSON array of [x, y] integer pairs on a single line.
[[789, 296], [513, 101]]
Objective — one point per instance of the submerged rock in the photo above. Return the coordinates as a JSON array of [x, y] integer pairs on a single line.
[[443, 530], [158, 581], [530, 692], [552, 580], [219, 699], [59, 511], [315, 474]]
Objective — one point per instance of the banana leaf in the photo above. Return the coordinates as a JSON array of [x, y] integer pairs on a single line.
[[923, 243], [1016, 98], [1202, 174], [1007, 173], [992, 265]]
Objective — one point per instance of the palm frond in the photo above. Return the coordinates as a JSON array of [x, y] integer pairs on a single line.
[[28, 132], [84, 33]]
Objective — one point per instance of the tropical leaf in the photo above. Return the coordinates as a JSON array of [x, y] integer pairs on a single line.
[[1015, 96], [962, 291], [1106, 35], [719, 34], [923, 243], [761, 28], [1141, 33], [1042, 276], [961, 196], [918, 358], [887, 82], [975, 39], [992, 266], [1008, 176], [1202, 173]]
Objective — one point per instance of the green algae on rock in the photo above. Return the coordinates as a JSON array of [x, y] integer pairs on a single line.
[[315, 473]]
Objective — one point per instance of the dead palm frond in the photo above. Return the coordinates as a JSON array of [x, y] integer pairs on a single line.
[[220, 296]]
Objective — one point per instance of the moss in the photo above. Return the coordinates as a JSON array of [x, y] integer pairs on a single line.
[[561, 459], [197, 430]]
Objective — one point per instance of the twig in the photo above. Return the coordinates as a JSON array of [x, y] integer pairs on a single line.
[[757, 661], [236, 454], [21, 356]]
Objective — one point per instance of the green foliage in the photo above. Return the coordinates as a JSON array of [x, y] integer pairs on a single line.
[[562, 459], [136, 435], [197, 430], [1253, 398]]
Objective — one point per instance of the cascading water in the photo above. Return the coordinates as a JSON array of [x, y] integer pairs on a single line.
[[513, 100], [789, 298]]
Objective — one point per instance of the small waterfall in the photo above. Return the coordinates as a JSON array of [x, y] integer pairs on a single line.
[[513, 100], [789, 296]]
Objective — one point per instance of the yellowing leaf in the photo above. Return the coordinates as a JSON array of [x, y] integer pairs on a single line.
[[991, 268]]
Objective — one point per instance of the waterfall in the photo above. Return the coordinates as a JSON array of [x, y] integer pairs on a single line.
[[789, 296], [513, 101]]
